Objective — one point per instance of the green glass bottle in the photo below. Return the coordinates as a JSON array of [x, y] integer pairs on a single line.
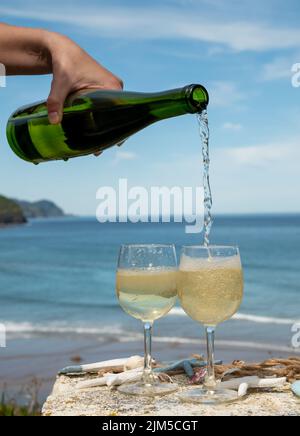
[[94, 120]]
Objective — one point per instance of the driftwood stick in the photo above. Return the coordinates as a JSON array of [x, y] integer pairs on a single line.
[[289, 368]]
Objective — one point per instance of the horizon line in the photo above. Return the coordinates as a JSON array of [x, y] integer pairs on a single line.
[[218, 214]]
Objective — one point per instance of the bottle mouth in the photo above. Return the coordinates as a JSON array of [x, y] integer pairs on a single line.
[[197, 97]]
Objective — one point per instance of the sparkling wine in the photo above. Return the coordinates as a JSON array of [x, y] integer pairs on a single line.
[[208, 202], [210, 290], [147, 294]]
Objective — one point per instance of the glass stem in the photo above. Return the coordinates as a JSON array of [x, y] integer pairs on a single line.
[[148, 374], [210, 380]]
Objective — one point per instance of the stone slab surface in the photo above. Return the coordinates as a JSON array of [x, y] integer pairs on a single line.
[[66, 400]]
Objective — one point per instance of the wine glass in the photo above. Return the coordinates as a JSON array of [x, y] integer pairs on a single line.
[[147, 290], [210, 289]]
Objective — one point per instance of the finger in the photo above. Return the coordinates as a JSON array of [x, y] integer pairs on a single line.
[[55, 102]]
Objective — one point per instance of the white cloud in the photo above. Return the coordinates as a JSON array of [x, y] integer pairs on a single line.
[[232, 126], [225, 94], [164, 22], [125, 155], [279, 68], [259, 178], [262, 155]]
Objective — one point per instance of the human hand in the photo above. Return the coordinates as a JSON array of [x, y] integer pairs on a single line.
[[73, 70], [30, 51]]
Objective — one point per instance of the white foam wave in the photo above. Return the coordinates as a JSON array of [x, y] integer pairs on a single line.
[[29, 330], [264, 319], [177, 311], [27, 327]]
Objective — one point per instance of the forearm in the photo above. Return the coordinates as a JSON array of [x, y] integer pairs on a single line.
[[28, 51], [24, 50]]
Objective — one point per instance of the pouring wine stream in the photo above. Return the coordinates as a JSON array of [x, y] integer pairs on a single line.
[[208, 202]]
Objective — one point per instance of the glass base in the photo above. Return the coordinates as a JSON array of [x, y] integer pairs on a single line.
[[204, 396], [153, 390]]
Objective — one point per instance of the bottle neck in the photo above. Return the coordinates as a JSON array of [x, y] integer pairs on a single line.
[[197, 98], [190, 99]]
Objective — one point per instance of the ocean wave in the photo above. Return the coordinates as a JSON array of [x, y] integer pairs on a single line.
[[51, 328], [28, 329], [264, 319], [177, 311], [117, 333]]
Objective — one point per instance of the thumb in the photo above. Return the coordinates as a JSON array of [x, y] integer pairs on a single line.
[[55, 102]]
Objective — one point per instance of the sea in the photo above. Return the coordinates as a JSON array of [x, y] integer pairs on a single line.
[[57, 279]]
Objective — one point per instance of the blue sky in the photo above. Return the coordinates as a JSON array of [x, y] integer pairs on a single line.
[[241, 51]]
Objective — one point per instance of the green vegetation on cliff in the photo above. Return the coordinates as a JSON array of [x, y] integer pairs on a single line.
[[40, 209], [18, 211], [10, 212]]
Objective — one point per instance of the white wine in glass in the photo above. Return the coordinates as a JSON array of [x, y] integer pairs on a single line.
[[146, 287], [147, 294], [210, 289]]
